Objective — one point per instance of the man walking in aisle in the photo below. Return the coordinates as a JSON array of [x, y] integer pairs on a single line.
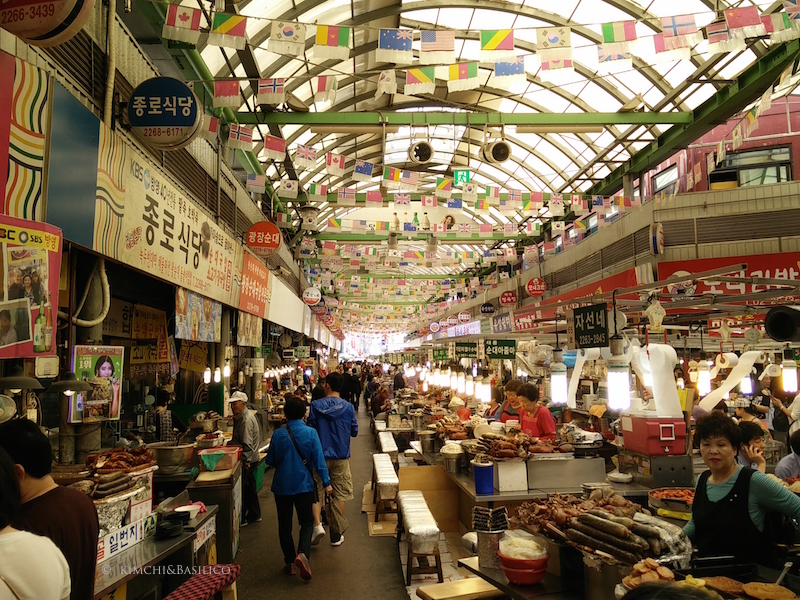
[[335, 421]]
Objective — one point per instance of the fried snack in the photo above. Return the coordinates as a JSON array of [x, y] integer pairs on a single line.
[[767, 591], [725, 585]]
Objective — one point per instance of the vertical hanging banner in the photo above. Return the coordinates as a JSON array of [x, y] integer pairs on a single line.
[[249, 330], [256, 290], [31, 261]]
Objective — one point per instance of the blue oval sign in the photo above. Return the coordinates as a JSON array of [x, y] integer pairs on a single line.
[[164, 112]]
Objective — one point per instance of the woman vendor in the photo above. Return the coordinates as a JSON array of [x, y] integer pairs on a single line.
[[747, 413], [169, 427], [494, 410], [512, 407], [536, 419], [731, 503]]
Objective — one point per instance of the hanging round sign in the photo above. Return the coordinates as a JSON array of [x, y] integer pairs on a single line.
[[435, 327], [487, 308], [45, 22], [508, 298], [536, 287], [452, 320], [312, 296], [164, 112], [443, 323], [263, 238], [464, 316]]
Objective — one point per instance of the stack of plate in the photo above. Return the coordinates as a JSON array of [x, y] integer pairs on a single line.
[[588, 488]]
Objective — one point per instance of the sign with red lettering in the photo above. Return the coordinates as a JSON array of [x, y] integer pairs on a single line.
[[508, 298], [536, 287], [452, 320], [255, 292], [45, 22], [464, 316], [263, 238], [312, 296]]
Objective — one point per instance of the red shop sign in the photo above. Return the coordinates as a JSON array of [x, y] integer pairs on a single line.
[[263, 238], [452, 320], [536, 287], [508, 298], [463, 316]]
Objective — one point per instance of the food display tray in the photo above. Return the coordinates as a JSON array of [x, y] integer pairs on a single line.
[[676, 505], [745, 573]]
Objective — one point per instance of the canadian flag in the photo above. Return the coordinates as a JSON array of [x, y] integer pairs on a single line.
[[182, 24], [334, 164]]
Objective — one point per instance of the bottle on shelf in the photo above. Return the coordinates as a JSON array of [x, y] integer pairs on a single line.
[[405, 220], [395, 223], [48, 326], [426, 224], [38, 330], [415, 220]]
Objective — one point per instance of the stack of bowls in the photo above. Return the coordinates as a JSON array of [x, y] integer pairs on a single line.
[[524, 572]]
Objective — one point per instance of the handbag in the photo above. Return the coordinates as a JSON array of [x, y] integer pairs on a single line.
[[305, 462]]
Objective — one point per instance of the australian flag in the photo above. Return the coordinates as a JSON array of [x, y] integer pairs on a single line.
[[514, 69], [363, 170], [454, 203], [394, 45]]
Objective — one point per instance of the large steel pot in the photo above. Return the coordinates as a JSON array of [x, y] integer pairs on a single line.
[[170, 458]]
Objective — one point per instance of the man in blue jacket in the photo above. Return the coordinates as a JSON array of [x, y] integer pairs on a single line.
[[295, 452], [335, 420]]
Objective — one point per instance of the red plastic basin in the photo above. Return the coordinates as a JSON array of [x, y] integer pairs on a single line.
[[524, 576], [519, 563]]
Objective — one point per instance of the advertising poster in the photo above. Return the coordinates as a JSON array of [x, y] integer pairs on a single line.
[[151, 324], [197, 318], [248, 332], [193, 356], [30, 261], [101, 367], [255, 293]]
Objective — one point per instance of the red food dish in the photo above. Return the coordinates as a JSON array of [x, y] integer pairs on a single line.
[[524, 576], [520, 563]]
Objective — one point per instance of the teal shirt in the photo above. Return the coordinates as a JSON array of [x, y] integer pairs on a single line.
[[765, 495]]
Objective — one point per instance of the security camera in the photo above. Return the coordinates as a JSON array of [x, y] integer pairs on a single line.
[[496, 152], [420, 153]]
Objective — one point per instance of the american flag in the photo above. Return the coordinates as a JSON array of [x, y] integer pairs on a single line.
[[409, 178], [256, 183], [442, 40], [346, 194]]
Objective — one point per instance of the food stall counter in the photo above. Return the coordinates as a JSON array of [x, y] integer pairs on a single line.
[[551, 587], [115, 572]]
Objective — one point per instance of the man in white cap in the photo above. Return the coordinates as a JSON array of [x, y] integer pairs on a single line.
[[246, 434]]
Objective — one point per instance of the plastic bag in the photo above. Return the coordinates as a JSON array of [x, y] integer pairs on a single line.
[[521, 545]]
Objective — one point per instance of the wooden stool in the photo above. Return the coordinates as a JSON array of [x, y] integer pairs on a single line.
[[423, 570], [472, 588]]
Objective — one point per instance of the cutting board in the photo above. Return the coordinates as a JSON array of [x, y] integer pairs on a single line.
[[215, 476]]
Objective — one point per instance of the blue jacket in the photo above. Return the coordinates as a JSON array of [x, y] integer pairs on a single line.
[[291, 475], [335, 421]]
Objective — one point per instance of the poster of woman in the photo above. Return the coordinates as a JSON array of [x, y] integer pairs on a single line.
[[101, 367]]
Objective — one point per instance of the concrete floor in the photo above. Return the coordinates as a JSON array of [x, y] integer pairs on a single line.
[[362, 568]]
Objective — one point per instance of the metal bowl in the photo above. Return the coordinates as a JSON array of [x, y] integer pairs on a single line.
[[171, 458]]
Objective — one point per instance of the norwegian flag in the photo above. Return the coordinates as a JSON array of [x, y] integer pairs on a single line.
[[240, 137], [515, 196], [305, 157], [334, 164], [509, 228], [270, 91], [346, 194]]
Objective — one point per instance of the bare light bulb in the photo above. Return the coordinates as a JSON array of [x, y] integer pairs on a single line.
[[217, 375], [207, 375], [703, 378], [789, 376], [558, 381], [746, 386], [425, 387], [226, 371]]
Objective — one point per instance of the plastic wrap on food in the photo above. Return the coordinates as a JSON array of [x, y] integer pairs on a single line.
[[380, 425], [386, 477], [470, 542], [387, 444], [421, 528]]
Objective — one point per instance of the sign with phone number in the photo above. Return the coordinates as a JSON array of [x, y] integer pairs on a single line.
[[500, 349], [587, 327], [440, 354]]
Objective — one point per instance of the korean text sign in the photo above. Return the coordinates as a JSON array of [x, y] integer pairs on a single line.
[[589, 326], [31, 262], [161, 232], [255, 294], [466, 350], [500, 349]]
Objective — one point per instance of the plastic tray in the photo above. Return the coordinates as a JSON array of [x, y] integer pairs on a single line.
[[677, 505]]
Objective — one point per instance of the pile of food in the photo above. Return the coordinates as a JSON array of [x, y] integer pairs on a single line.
[[609, 525], [121, 459], [758, 590], [680, 494], [648, 571], [452, 428], [793, 483], [519, 446]]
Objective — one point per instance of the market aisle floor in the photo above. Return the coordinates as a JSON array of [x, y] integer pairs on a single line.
[[363, 567]]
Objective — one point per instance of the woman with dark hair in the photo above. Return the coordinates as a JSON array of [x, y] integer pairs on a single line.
[[31, 291], [31, 566], [746, 412], [512, 407], [731, 503], [537, 420], [295, 451], [495, 405], [318, 392], [104, 367], [751, 452]]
